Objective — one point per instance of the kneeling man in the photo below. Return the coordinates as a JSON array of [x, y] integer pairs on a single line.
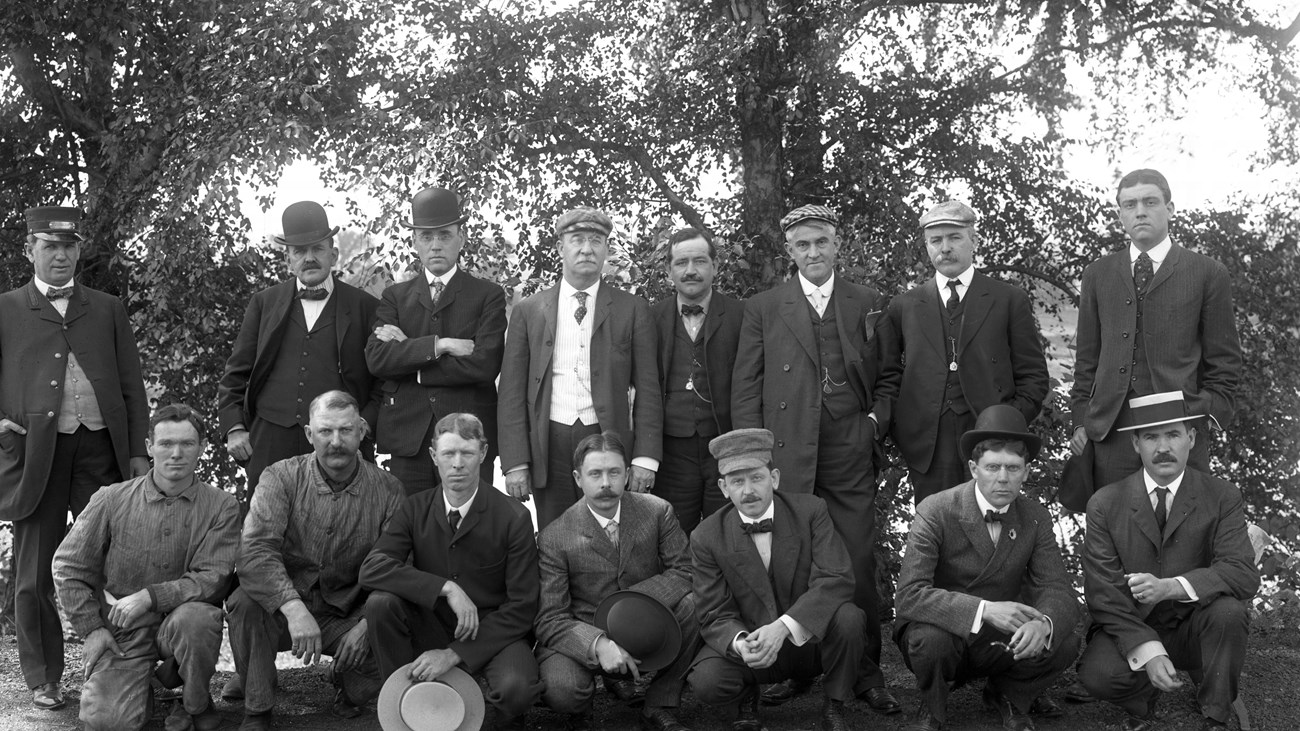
[[983, 590], [1167, 570], [142, 575], [454, 579], [608, 541], [773, 589]]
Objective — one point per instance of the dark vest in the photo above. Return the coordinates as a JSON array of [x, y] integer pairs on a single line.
[[954, 399], [1139, 369], [838, 397], [306, 366], [687, 412]]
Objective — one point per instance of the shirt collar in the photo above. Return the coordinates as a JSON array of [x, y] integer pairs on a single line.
[[1173, 486], [153, 494], [769, 513], [44, 287], [465, 506], [708, 297], [985, 505], [323, 485], [965, 278], [327, 285], [567, 291], [826, 287], [603, 521], [1157, 253], [445, 277]]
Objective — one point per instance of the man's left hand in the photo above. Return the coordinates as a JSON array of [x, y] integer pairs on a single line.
[[353, 648], [129, 610], [139, 466], [766, 641], [1150, 589], [1030, 639], [389, 334], [430, 665], [642, 479]]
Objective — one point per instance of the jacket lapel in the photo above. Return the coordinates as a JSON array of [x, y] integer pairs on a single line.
[[1143, 516], [604, 305], [342, 314], [713, 320], [976, 309], [41, 304], [973, 525], [668, 339], [1166, 269], [1184, 503], [930, 315], [448, 292], [744, 556], [794, 310], [476, 510], [545, 345], [785, 553], [596, 538]]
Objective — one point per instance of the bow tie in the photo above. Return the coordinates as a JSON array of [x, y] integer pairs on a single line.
[[313, 293], [762, 526], [58, 293], [992, 517], [692, 310]]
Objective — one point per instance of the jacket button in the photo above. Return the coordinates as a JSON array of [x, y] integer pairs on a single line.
[[783, 404], [780, 444], [1123, 369], [1124, 335], [54, 383], [1128, 301], [548, 343], [785, 367], [58, 355], [50, 414]]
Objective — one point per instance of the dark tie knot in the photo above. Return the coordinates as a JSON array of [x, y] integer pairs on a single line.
[[762, 526], [993, 517], [313, 293], [453, 519], [692, 310], [58, 293]]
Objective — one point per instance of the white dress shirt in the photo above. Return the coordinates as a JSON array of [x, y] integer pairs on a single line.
[[963, 279], [814, 292], [694, 322], [1157, 255], [311, 309], [464, 507]]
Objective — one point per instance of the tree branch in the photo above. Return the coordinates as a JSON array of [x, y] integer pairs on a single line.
[[32, 77], [1051, 279]]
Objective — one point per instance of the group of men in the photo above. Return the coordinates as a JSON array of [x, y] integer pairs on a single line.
[[702, 401]]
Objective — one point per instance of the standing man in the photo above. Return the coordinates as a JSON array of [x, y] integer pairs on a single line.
[[579, 360], [437, 343], [454, 579], [300, 338], [774, 590], [1168, 571], [73, 417], [969, 341], [312, 522], [1153, 318], [983, 590], [610, 540], [142, 575], [699, 329], [806, 370]]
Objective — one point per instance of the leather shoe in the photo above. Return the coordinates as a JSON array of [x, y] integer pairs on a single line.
[[344, 708], [257, 722], [208, 720], [1208, 723], [48, 697], [662, 719], [833, 716], [924, 721], [747, 715], [1076, 693], [778, 693], [625, 690], [1013, 719], [881, 700], [1139, 723], [233, 690], [1044, 706]]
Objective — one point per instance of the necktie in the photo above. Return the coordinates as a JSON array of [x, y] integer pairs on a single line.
[[435, 290], [818, 301], [692, 310], [55, 293], [994, 522], [953, 299], [992, 517], [1143, 271], [762, 526], [611, 530], [313, 293], [580, 313], [1162, 512], [453, 519]]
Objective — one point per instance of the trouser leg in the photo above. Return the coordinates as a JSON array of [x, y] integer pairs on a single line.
[[116, 695], [1211, 644], [568, 686], [513, 680], [665, 690], [948, 466], [192, 634], [560, 491], [255, 637], [933, 654]]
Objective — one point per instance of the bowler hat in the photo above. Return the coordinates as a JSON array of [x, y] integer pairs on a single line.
[[434, 208], [1001, 421], [56, 223], [453, 702], [1077, 484], [583, 218], [305, 223], [742, 449], [948, 213], [1154, 410], [809, 213], [642, 625]]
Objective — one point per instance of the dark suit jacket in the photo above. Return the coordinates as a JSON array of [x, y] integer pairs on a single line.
[[34, 344], [951, 564], [469, 308], [776, 383], [1188, 329], [721, 334], [493, 558], [622, 363], [1204, 541], [999, 353], [258, 343], [580, 567], [810, 570]]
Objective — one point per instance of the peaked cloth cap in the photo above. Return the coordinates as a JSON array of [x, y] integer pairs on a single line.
[[55, 223], [948, 213], [583, 218], [1156, 409], [742, 449], [642, 625], [305, 223], [453, 702], [809, 213], [1001, 421], [434, 208]]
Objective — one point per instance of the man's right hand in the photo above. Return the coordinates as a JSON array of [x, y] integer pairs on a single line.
[[1078, 441], [519, 485], [303, 631], [466, 611], [615, 660], [8, 425], [454, 346], [238, 445], [97, 643], [1008, 616], [1160, 669]]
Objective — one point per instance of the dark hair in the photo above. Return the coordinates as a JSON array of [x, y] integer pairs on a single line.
[[1142, 177], [1014, 446], [464, 425], [178, 412], [687, 234], [606, 441]]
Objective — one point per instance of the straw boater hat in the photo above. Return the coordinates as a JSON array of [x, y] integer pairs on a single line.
[[453, 702], [54, 223], [434, 208], [305, 223], [1001, 421], [1156, 409], [642, 625]]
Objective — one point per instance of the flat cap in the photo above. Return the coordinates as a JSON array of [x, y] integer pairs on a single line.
[[56, 223], [742, 449], [583, 218], [809, 213], [948, 213]]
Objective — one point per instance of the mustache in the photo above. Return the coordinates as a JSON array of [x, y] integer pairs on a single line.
[[606, 492], [1161, 458], [692, 278], [749, 499]]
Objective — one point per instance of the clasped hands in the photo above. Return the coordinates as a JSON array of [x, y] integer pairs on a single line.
[[1029, 629], [759, 648]]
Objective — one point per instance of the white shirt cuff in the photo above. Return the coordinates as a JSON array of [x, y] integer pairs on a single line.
[[1145, 653], [735, 642], [1187, 587], [978, 624], [649, 463], [798, 635]]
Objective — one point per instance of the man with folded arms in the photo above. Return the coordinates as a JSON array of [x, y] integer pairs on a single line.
[[454, 579]]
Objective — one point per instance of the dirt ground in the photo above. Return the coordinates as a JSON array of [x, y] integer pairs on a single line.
[[1270, 685]]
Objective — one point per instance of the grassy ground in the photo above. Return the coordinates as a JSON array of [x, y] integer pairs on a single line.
[[1270, 685]]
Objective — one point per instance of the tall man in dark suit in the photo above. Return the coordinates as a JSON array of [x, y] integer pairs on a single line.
[[300, 338], [73, 417], [610, 540], [699, 329], [437, 344], [806, 370], [968, 341], [576, 354], [983, 591], [468, 595], [1167, 571], [1153, 318], [773, 589]]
